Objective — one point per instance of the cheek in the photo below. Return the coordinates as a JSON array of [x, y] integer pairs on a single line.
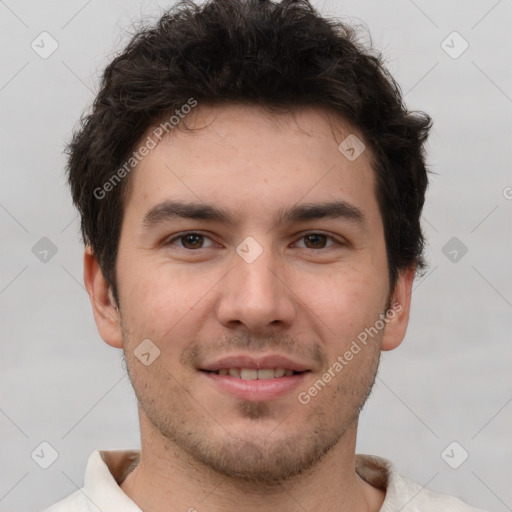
[[159, 301], [346, 300]]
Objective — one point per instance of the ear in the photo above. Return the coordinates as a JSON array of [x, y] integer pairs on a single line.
[[398, 313], [106, 314]]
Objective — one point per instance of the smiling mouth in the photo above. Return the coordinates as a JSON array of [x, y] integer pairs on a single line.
[[255, 374]]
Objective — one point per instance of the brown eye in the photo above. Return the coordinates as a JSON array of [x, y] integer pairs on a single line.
[[192, 241], [315, 241]]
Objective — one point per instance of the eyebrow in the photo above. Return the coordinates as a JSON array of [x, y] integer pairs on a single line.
[[170, 210]]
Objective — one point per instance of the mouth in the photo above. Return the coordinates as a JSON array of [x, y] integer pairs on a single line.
[[255, 374], [255, 379]]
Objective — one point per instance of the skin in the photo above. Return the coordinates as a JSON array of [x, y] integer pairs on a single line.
[[196, 299]]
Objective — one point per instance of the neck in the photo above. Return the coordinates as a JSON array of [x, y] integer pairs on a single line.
[[167, 479]]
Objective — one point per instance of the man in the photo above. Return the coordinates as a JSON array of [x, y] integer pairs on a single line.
[[250, 187]]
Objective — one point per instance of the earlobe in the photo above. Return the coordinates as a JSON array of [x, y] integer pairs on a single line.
[[398, 313], [105, 310]]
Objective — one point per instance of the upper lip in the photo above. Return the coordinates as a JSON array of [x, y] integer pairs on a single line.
[[254, 362]]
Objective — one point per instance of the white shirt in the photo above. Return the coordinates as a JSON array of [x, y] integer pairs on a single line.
[[107, 469]]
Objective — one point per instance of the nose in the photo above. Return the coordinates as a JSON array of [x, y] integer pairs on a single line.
[[257, 295]]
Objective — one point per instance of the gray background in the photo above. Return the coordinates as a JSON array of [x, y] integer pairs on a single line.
[[451, 378]]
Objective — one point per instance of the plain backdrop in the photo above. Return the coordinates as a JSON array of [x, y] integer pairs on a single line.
[[450, 381]]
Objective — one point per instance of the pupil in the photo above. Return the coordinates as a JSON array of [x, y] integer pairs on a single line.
[[316, 239], [191, 238]]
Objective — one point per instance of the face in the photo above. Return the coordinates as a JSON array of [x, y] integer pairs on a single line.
[[252, 256]]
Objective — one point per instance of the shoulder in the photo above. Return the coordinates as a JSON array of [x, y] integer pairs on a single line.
[[101, 490], [413, 497], [73, 503], [403, 493]]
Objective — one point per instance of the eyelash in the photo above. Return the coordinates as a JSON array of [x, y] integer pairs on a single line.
[[184, 235]]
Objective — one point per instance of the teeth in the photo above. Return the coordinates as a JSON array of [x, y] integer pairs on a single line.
[[248, 374], [266, 374], [253, 374], [234, 372]]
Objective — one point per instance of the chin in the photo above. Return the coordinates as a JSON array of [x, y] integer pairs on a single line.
[[264, 461]]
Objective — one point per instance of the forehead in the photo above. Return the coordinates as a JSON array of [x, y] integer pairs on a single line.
[[248, 159]]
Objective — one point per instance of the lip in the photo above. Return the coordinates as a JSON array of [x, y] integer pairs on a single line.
[[255, 390], [255, 362]]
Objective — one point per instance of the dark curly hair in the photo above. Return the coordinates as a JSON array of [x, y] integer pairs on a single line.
[[276, 55]]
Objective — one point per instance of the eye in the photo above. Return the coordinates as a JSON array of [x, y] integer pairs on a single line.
[[317, 240], [190, 240]]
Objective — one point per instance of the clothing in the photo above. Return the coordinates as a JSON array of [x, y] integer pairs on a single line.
[[107, 469]]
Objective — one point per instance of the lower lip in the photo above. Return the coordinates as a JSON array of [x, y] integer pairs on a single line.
[[256, 390]]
